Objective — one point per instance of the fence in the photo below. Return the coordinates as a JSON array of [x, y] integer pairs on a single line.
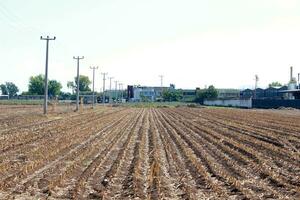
[[4, 97], [241, 103], [275, 103], [254, 103]]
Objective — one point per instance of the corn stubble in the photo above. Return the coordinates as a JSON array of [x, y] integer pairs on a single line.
[[149, 153]]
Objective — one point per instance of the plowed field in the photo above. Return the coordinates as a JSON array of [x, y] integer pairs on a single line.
[[149, 153]]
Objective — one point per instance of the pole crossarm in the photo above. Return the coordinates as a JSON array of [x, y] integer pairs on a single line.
[[48, 38]]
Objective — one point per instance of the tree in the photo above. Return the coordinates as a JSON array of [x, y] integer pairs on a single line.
[[275, 84], [9, 88], [209, 93], [66, 96], [54, 88], [172, 95], [37, 84], [84, 83], [71, 85], [3, 89]]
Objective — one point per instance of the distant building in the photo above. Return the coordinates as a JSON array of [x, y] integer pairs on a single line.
[[228, 93], [146, 93], [271, 93], [188, 95], [247, 93], [259, 93]]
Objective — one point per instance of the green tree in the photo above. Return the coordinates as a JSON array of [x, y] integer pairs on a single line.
[[37, 84], [9, 88], [54, 88], [71, 85], [144, 98], [172, 95], [209, 93], [84, 83], [275, 84], [3, 89]]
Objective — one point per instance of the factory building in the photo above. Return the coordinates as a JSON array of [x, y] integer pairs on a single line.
[[146, 93], [290, 91]]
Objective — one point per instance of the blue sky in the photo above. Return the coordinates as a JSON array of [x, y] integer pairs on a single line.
[[193, 43]]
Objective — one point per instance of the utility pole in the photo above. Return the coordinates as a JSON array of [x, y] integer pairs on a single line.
[[298, 80], [104, 74], [46, 73], [161, 85], [116, 88], [110, 78], [120, 84], [77, 92], [94, 68], [161, 80], [256, 81]]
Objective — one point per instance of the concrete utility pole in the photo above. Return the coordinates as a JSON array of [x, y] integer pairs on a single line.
[[104, 74], [116, 88], [256, 81], [298, 80], [46, 73], [77, 92], [161, 80], [110, 78], [94, 68], [121, 96]]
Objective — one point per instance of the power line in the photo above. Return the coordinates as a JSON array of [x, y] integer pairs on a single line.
[[18, 24], [14, 20], [77, 92], [46, 73]]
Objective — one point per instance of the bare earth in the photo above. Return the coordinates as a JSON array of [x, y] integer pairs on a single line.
[[149, 153]]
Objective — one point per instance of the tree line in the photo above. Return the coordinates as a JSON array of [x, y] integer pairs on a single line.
[[36, 86], [177, 95]]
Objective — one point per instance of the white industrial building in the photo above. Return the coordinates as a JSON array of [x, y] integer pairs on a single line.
[[146, 93]]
